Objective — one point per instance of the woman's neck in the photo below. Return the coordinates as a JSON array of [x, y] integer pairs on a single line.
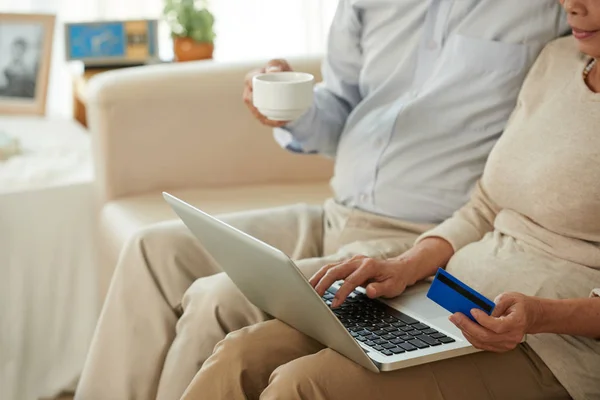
[[593, 79]]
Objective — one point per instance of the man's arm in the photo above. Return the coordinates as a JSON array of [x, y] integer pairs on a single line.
[[319, 129]]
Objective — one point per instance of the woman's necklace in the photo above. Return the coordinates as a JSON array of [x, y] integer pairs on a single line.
[[588, 69]]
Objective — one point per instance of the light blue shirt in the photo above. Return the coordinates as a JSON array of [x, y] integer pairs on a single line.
[[415, 94]]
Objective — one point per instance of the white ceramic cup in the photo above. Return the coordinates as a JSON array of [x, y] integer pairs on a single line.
[[282, 96]]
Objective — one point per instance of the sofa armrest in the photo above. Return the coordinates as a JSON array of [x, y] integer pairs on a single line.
[[178, 126]]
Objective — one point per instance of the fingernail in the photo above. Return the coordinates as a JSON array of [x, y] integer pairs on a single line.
[[475, 312], [335, 303], [273, 69]]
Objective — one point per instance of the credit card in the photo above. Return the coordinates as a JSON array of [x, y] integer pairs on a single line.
[[455, 296]]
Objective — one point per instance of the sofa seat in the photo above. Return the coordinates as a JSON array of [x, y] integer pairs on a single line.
[[122, 218]]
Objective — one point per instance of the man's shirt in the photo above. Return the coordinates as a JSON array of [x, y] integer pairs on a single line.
[[415, 95]]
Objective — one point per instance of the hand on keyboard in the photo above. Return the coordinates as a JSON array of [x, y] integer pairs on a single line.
[[382, 278]]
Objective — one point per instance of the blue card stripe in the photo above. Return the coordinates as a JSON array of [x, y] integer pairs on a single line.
[[465, 293], [455, 296]]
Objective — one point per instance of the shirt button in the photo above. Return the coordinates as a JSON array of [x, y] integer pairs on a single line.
[[363, 197], [379, 142], [432, 45]]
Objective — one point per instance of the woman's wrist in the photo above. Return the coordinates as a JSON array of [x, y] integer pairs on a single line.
[[537, 314], [577, 317], [548, 315], [423, 260]]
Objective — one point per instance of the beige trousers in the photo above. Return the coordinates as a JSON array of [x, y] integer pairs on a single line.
[[168, 305], [271, 361]]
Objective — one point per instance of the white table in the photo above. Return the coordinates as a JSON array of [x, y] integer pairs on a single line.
[[48, 302]]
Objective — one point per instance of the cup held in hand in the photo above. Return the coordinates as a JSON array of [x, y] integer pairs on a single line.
[[283, 96]]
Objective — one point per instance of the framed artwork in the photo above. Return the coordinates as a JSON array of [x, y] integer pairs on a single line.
[[112, 43], [25, 54]]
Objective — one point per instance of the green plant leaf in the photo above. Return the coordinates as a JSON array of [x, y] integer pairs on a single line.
[[190, 18]]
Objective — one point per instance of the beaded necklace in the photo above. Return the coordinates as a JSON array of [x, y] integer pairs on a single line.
[[588, 69]]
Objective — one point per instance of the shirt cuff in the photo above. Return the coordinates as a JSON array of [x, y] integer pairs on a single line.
[[595, 293], [456, 232], [286, 140]]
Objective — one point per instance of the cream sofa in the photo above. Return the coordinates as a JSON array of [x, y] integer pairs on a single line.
[[183, 128]]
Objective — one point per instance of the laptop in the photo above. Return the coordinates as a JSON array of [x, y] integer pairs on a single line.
[[380, 335]]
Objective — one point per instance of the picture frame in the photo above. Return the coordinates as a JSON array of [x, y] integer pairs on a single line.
[[25, 56], [104, 44]]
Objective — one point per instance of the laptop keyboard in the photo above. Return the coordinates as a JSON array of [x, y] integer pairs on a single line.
[[383, 328]]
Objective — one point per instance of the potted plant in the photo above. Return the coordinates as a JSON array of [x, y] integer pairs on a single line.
[[191, 26]]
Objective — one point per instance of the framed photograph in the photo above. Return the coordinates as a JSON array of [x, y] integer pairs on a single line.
[[112, 43], [25, 54]]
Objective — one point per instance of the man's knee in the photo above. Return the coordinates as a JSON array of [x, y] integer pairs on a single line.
[[171, 253], [162, 240], [217, 289], [145, 251], [238, 349], [217, 297], [164, 258]]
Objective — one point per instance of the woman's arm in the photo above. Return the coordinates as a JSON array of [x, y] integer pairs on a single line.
[[516, 315], [577, 317], [384, 278], [426, 257], [470, 223]]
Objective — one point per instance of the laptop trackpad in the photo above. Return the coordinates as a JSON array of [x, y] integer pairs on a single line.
[[416, 302]]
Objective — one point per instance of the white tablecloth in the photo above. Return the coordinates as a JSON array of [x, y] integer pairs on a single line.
[[48, 303]]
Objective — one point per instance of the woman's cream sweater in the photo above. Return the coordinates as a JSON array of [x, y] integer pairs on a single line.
[[533, 223]]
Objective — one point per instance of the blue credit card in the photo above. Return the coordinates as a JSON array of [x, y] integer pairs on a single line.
[[455, 296]]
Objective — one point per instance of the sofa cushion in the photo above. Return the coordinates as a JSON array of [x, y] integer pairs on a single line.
[[122, 218]]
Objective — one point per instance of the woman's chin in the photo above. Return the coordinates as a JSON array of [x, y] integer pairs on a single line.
[[590, 48]]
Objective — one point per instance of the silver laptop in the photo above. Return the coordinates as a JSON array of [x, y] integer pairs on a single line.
[[379, 335]]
